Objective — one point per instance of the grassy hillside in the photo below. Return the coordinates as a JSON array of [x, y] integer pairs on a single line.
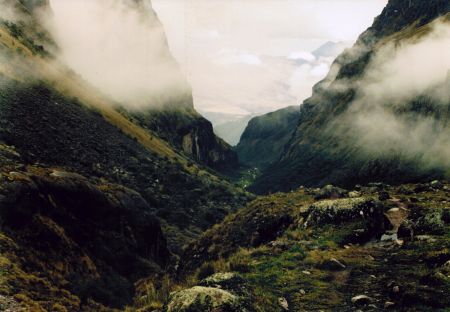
[[311, 250]]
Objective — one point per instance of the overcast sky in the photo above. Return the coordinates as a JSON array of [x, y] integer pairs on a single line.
[[254, 56]]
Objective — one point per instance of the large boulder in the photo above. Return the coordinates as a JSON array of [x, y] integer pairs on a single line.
[[199, 298], [341, 210], [366, 216], [221, 292]]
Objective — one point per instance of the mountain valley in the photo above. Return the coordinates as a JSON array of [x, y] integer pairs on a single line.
[[339, 204]]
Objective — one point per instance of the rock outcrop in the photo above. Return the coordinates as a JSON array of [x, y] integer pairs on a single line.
[[188, 131]]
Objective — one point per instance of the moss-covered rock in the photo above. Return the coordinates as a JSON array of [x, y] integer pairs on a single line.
[[342, 210], [201, 298]]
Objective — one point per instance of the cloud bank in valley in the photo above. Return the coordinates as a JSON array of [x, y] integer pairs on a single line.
[[7, 12], [118, 46], [255, 56], [382, 116]]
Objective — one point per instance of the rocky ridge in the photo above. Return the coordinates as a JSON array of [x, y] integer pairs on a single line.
[[325, 147]]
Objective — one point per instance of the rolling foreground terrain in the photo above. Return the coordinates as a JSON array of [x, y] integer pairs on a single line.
[[104, 208]]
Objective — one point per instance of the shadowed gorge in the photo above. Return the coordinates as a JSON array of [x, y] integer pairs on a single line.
[[117, 195]]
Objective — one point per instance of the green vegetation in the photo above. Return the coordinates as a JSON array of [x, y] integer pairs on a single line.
[[324, 265]]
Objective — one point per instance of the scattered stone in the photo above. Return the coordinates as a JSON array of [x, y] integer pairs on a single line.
[[396, 217], [389, 237], [396, 289], [389, 304], [66, 175], [354, 194], [306, 272], [282, 302], [333, 265], [347, 247], [437, 185], [302, 292], [361, 299], [370, 258], [425, 238], [279, 244]]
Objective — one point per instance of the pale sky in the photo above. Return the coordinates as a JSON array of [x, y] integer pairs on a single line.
[[254, 56]]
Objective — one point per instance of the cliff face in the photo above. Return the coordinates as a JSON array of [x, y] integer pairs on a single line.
[[172, 116], [340, 135], [188, 131], [90, 201], [265, 137]]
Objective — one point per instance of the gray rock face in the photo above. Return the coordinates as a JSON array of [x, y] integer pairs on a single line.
[[333, 265], [188, 131], [361, 300]]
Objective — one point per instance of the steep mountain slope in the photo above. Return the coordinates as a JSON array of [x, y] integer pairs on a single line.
[[188, 131], [231, 131], [329, 49], [338, 138], [265, 137], [91, 202], [163, 103]]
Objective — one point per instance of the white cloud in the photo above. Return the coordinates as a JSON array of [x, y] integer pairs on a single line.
[[302, 55], [320, 70], [399, 74], [244, 53], [119, 47]]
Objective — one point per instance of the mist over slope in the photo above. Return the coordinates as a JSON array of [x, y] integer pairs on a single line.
[[91, 200], [382, 112], [130, 62]]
